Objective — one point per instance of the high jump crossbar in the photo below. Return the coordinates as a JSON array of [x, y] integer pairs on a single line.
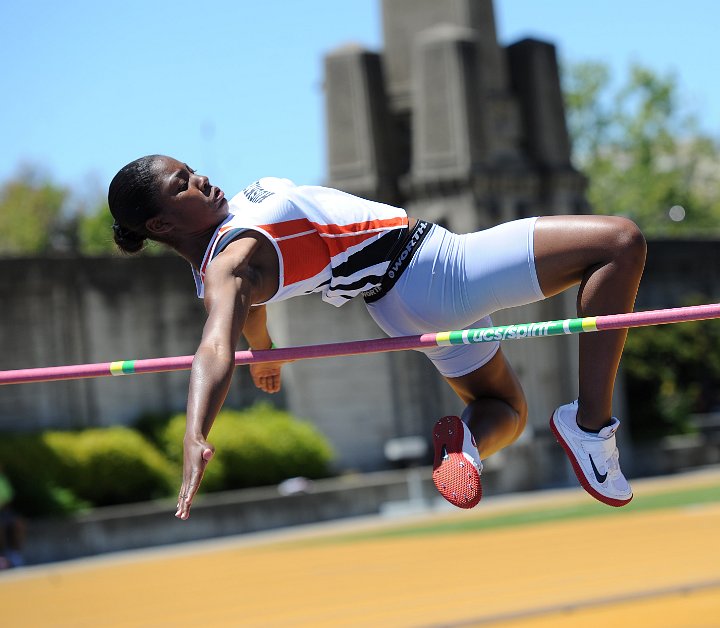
[[380, 345]]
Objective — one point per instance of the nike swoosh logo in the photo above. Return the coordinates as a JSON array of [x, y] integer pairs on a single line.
[[600, 478]]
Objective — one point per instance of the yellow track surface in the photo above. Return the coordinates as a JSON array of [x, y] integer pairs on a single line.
[[643, 569]]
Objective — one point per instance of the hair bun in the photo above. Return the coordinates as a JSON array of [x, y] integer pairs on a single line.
[[127, 240]]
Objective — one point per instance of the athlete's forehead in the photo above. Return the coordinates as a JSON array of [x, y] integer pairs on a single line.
[[168, 166]]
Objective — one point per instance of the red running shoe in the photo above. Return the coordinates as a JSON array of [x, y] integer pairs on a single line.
[[457, 466]]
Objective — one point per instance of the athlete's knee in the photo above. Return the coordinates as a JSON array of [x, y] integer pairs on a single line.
[[506, 410], [628, 243]]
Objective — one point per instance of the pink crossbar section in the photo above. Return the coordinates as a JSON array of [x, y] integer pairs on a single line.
[[355, 347], [659, 317], [81, 371], [180, 363]]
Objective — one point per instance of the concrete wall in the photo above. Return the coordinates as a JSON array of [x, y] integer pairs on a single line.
[[74, 311], [67, 311], [98, 310]]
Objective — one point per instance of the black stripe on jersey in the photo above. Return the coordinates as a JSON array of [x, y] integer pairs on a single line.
[[361, 285], [381, 250]]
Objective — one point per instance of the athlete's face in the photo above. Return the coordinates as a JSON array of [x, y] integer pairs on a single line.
[[187, 198]]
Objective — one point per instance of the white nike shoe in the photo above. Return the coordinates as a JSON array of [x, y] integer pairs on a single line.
[[594, 457]]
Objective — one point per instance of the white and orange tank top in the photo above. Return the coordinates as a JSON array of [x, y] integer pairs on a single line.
[[326, 240]]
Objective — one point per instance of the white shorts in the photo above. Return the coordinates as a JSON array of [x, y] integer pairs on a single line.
[[455, 282]]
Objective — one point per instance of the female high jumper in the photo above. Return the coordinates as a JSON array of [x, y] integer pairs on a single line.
[[275, 240]]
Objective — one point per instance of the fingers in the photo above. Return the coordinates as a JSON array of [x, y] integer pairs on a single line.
[[181, 496], [183, 507], [185, 501], [267, 376], [190, 488], [270, 383]]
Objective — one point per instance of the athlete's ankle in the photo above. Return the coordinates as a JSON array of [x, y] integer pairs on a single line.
[[591, 422]]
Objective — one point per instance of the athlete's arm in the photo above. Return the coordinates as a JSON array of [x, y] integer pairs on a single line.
[[255, 330], [265, 376], [231, 285]]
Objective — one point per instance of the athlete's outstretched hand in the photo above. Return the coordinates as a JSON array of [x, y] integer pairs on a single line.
[[266, 376], [197, 452]]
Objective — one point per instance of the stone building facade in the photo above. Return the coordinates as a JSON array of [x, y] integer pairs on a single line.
[[447, 122]]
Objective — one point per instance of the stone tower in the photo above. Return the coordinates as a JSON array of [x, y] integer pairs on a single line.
[[449, 124]]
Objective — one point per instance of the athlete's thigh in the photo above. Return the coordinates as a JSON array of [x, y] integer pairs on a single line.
[[495, 379], [566, 246], [499, 267]]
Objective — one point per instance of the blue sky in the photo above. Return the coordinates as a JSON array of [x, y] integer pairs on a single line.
[[235, 87]]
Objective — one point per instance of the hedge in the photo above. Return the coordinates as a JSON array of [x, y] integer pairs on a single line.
[[56, 472], [255, 447], [114, 465], [32, 468]]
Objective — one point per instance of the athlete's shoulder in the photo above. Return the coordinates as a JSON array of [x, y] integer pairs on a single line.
[[276, 184]]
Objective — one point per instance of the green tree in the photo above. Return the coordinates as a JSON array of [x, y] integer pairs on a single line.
[[30, 213], [644, 155], [671, 372], [94, 231], [94, 234]]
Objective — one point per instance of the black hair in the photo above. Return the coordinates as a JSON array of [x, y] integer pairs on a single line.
[[133, 199]]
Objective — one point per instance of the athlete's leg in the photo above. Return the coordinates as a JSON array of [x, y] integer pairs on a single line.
[[496, 410], [605, 255], [494, 417]]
